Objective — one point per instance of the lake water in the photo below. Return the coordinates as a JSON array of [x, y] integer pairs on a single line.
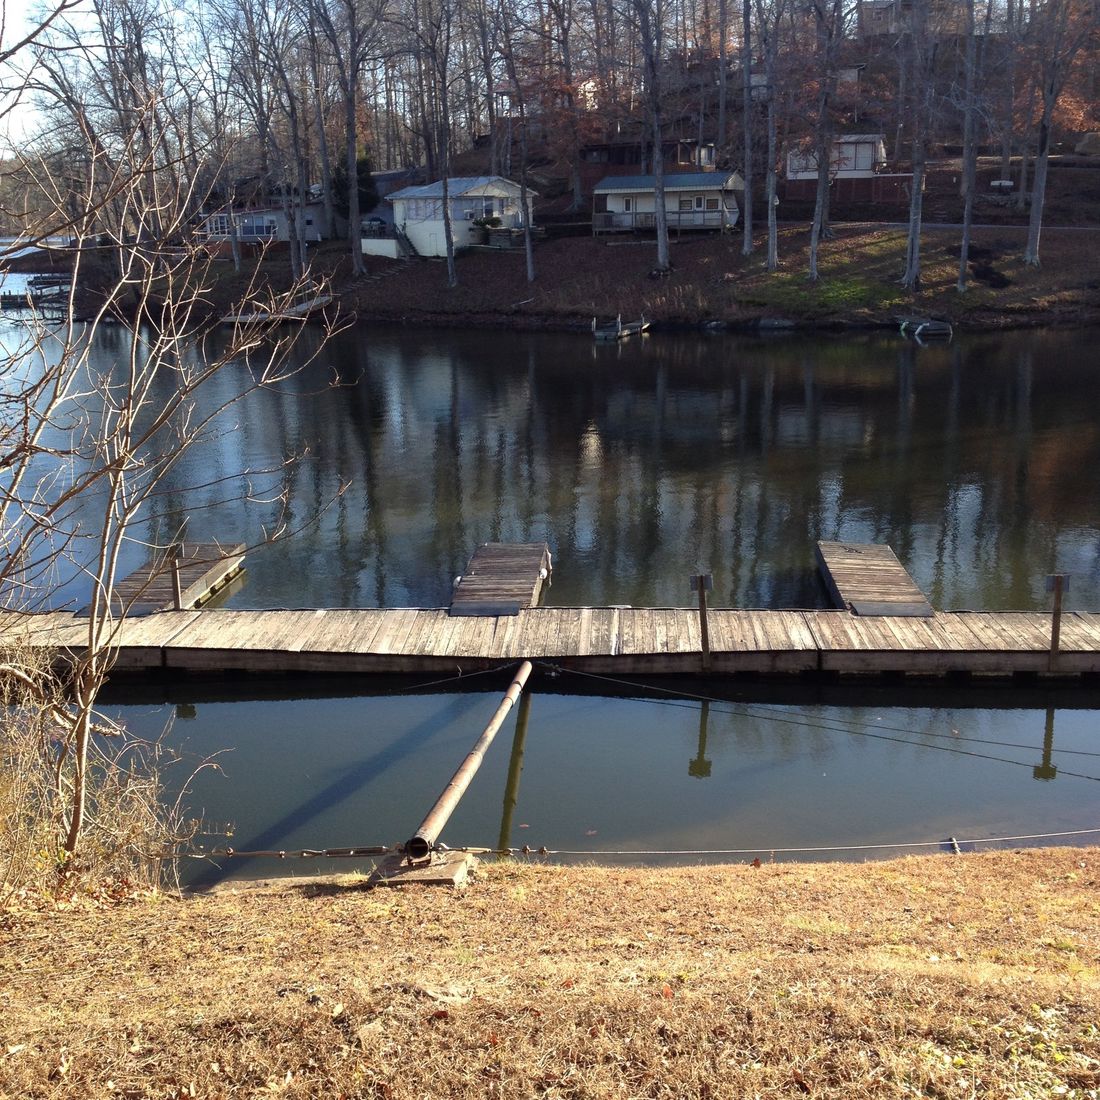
[[640, 464]]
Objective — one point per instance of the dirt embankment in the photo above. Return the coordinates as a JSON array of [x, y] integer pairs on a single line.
[[934, 976], [712, 283]]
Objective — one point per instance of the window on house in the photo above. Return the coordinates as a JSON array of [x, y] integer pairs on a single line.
[[628, 205], [712, 204], [685, 204], [698, 202]]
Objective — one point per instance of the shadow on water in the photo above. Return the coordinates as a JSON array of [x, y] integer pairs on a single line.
[[348, 784], [974, 694]]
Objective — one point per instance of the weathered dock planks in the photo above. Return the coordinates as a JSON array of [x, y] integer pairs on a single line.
[[202, 568], [868, 579], [502, 578], [605, 640]]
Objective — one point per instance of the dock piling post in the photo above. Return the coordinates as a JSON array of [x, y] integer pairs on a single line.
[[702, 583], [177, 585], [1056, 583]]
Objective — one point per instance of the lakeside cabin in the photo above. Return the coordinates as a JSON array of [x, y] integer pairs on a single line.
[[473, 200], [856, 163], [259, 225], [693, 200]]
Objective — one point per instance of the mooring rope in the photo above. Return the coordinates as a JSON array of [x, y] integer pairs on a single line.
[[855, 729], [365, 850]]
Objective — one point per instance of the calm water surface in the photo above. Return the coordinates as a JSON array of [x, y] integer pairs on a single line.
[[640, 464]]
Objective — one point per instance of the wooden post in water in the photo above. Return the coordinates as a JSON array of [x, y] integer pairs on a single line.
[[177, 585], [702, 583], [419, 846], [1056, 583]]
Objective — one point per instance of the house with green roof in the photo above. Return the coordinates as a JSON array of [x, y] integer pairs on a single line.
[[693, 200]]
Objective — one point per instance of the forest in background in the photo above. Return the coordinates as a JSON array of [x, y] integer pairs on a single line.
[[235, 101]]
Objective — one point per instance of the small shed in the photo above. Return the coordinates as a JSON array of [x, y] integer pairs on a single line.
[[418, 211], [693, 200]]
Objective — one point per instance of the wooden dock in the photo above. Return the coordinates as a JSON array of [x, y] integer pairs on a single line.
[[616, 641], [867, 579], [885, 626], [203, 569], [502, 578]]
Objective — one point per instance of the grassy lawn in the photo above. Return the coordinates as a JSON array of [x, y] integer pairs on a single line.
[[936, 976]]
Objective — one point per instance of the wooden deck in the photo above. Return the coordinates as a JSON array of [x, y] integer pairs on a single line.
[[868, 579], [502, 578], [204, 569], [606, 640]]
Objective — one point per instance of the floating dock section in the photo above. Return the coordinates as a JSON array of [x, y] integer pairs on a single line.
[[201, 569], [502, 579], [867, 579]]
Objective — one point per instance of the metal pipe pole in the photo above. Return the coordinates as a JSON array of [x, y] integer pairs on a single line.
[[420, 844]]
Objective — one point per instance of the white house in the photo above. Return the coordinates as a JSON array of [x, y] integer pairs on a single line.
[[418, 212], [853, 156], [693, 200]]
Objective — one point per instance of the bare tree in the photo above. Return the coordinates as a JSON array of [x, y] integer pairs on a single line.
[[769, 21], [747, 118], [1060, 29], [353, 29], [829, 28], [85, 446], [922, 52], [649, 21]]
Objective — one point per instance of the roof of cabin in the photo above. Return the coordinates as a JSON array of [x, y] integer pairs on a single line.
[[457, 186], [677, 181]]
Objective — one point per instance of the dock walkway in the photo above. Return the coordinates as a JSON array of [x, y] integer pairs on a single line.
[[867, 579], [203, 569], [604, 640], [502, 578]]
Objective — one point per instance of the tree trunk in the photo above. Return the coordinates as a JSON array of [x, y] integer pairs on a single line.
[[723, 76], [969, 153], [746, 107], [772, 46], [351, 153], [1039, 186]]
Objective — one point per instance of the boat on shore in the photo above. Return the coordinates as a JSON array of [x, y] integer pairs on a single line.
[[925, 328], [619, 329]]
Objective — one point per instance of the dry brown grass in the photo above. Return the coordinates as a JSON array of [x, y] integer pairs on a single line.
[[934, 976]]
